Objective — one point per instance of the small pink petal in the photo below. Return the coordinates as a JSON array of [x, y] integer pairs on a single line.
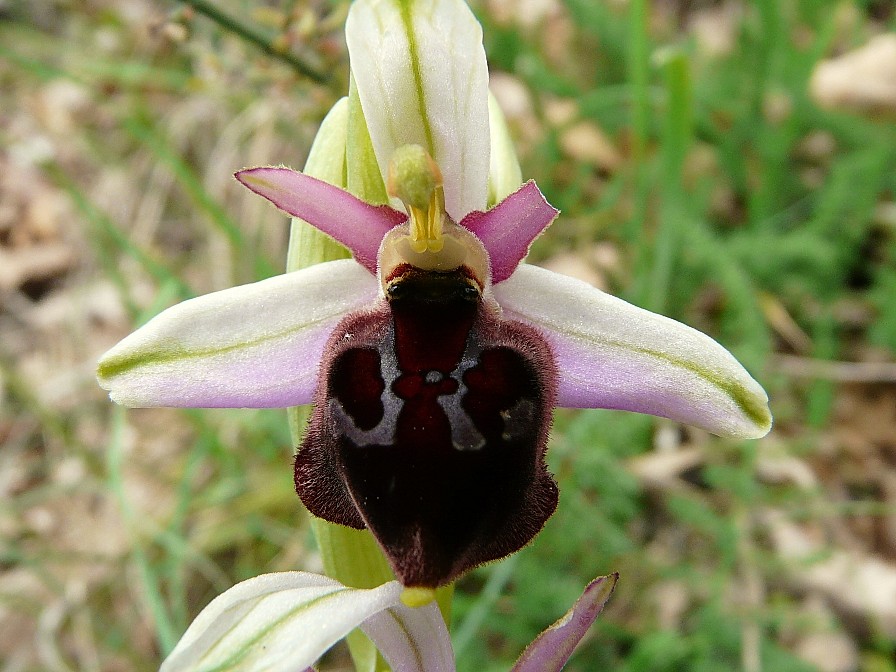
[[508, 229], [356, 224], [552, 648]]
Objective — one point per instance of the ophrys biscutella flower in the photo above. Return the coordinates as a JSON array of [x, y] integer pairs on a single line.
[[435, 356]]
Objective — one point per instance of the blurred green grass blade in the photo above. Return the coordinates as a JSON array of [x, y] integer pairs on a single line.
[[175, 564], [821, 395], [636, 230], [768, 45], [469, 628], [104, 227], [36, 67], [151, 584], [639, 77], [673, 211], [677, 130], [191, 183]]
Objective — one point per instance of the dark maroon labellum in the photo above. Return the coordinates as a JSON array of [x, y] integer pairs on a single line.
[[430, 428]]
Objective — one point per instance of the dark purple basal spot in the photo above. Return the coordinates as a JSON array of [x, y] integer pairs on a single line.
[[430, 428], [357, 384]]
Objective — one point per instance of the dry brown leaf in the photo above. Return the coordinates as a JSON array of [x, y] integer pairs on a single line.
[[825, 646], [38, 262], [528, 13], [573, 265], [863, 80], [585, 142], [515, 101], [662, 470], [775, 465], [861, 585], [715, 28]]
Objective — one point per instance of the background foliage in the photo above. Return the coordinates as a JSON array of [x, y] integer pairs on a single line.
[[698, 174]]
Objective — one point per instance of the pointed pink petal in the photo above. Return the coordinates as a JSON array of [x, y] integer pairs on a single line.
[[508, 229], [611, 354], [254, 346], [358, 225], [553, 647]]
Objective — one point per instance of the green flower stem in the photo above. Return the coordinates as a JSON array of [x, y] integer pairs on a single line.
[[677, 135]]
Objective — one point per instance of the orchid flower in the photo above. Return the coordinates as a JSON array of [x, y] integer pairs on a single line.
[[286, 621], [435, 356]]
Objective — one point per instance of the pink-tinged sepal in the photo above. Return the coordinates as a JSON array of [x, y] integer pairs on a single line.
[[356, 224], [550, 651], [432, 421], [508, 229], [257, 345], [611, 354]]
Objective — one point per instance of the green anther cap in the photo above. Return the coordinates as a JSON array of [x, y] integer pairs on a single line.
[[413, 176]]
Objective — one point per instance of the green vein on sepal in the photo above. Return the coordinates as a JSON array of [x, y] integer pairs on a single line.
[[150, 355], [362, 175], [405, 7], [754, 407], [240, 654]]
